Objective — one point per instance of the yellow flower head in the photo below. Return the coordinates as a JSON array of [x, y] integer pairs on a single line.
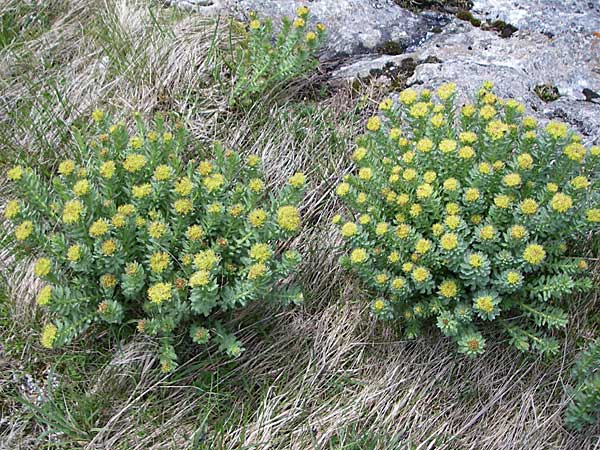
[[529, 206], [48, 336], [359, 256], [466, 152], [437, 229], [472, 195], [24, 230], [593, 215], [468, 110], [365, 173], [297, 180], [487, 233], [438, 120], [44, 296], [502, 201], [452, 222], [81, 188], [534, 254], [160, 292], [97, 115], [107, 169], [485, 303], [42, 267], [579, 182], [299, 22], [74, 253], [449, 241], [425, 190], [162, 173], [157, 229], [487, 112], [529, 122], [561, 202], [349, 229], [215, 208], [200, 278], [288, 218], [109, 247], [513, 278], [424, 145], [194, 232], [403, 231], [419, 110], [255, 24], [556, 130], [420, 274], [408, 96], [445, 91], [517, 232], [183, 206], [374, 124], [257, 271], [467, 137], [451, 185], [342, 189], [99, 228], [512, 180], [447, 145], [205, 168], [257, 217], [386, 104], [159, 261], [575, 152], [448, 289], [381, 228], [141, 190], [12, 209], [311, 36], [260, 252], [136, 142], [66, 167], [206, 260], [423, 246], [452, 208], [184, 186], [475, 260], [214, 182], [134, 162], [415, 210], [525, 161], [496, 129]]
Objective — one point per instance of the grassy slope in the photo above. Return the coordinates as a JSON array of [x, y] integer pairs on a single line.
[[324, 376]]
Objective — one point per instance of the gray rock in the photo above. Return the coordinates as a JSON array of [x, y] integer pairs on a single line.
[[545, 16], [570, 61], [355, 27]]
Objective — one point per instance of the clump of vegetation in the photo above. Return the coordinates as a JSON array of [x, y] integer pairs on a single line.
[[136, 237], [547, 92], [464, 220], [260, 65], [584, 408]]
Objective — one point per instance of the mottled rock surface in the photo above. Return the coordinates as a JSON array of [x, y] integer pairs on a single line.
[[355, 27], [557, 43]]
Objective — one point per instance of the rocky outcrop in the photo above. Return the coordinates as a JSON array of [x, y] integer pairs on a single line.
[[520, 45]]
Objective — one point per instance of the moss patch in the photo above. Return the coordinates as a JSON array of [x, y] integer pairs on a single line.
[[547, 92]]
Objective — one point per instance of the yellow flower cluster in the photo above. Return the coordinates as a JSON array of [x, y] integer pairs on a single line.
[[469, 203]]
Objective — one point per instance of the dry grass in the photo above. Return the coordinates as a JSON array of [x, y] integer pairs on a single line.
[[324, 376]]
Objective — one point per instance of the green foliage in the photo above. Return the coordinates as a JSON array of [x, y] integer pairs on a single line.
[[263, 63], [136, 235], [584, 408], [462, 218]]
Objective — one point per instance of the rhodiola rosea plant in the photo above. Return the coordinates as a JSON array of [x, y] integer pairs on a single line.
[[135, 235], [461, 217]]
